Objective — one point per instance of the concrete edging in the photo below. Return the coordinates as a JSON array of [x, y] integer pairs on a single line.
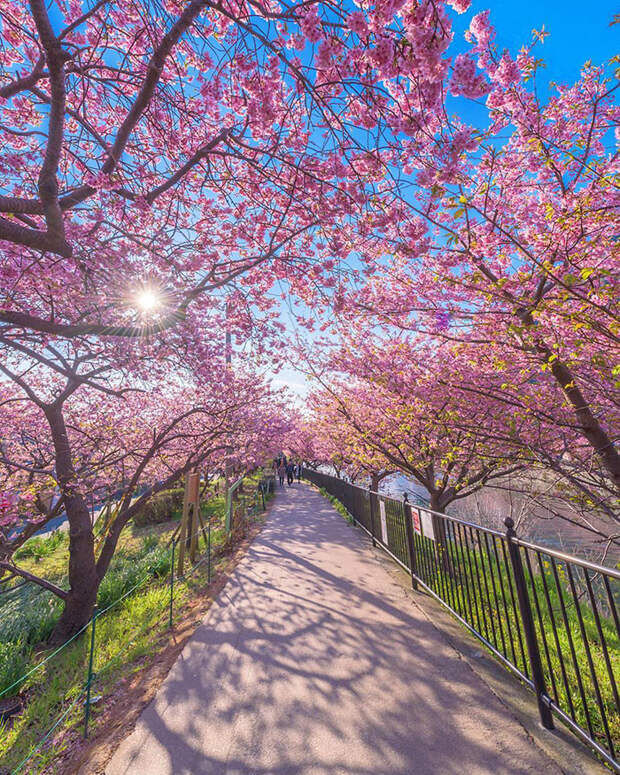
[[560, 745]]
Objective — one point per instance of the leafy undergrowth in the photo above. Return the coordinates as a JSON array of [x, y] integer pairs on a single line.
[[337, 505], [136, 594]]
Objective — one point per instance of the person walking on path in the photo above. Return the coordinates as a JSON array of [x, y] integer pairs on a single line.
[[290, 474], [281, 474], [286, 673], [298, 467]]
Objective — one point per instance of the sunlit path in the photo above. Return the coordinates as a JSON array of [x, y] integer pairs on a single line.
[[314, 660]]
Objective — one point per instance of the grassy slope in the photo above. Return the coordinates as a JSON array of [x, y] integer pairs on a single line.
[[474, 591], [131, 631]]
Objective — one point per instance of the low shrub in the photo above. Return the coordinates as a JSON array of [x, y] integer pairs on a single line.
[[42, 546], [160, 507], [28, 615], [14, 661]]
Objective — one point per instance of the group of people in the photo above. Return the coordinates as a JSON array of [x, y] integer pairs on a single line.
[[287, 469]]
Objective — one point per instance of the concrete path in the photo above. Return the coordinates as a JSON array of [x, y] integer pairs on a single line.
[[314, 661]]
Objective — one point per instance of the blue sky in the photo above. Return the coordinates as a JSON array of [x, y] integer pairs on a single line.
[[577, 32]]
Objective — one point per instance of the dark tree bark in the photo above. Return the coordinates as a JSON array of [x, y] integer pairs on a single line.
[[438, 503], [83, 579]]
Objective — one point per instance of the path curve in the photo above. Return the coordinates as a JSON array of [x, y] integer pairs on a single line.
[[314, 661]]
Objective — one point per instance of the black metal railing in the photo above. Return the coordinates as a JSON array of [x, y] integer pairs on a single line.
[[551, 618]]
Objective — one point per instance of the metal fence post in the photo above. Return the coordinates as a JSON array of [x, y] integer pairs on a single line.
[[372, 516], [410, 540], [89, 678], [174, 543], [528, 626], [209, 552]]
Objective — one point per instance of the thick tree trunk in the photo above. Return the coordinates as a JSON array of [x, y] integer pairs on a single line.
[[441, 536], [83, 580], [80, 602], [591, 428]]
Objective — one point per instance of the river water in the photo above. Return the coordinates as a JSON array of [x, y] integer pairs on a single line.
[[490, 506]]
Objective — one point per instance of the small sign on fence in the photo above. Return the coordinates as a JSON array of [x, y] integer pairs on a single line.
[[426, 519], [384, 535], [415, 516]]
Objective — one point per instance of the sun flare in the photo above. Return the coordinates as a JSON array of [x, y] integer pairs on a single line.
[[147, 300]]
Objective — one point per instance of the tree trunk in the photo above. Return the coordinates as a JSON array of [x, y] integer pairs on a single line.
[[83, 580], [80, 602], [441, 537], [591, 429]]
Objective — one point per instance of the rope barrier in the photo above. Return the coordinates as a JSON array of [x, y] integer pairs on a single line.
[[197, 565], [39, 665], [101, 670], [48, 733], [207, 557], [44, 661], [125, 594]]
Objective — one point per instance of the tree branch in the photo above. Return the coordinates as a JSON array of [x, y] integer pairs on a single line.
[[56, 58], [61, 593]]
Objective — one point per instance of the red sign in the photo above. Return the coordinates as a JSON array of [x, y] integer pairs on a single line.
[[415, 515]]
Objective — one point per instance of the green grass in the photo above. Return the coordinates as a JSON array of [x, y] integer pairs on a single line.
[[474, 589], [43, 546], [14, 662], [126, 633], [129, 631], [337, 505], [29, 616], [471, 577]]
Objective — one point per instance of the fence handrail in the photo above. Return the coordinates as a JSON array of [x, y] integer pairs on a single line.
[[563, 556], [550, 617], [376, 492]]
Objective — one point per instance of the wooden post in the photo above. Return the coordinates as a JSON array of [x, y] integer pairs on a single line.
[[184, 529], [193, 482]]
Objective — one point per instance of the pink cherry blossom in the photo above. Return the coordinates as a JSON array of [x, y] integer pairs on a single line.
[[466, 80]]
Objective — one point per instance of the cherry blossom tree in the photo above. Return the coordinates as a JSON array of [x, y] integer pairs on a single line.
[[339, 446], [394, 416], [301, 441], [162, 168], [167, 171], [513, 250], [186, 146], [87, 449]]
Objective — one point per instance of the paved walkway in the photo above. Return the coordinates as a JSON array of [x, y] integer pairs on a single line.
[[314, 661]]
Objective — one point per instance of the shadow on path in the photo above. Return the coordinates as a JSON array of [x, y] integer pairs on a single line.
[[314, 661]]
